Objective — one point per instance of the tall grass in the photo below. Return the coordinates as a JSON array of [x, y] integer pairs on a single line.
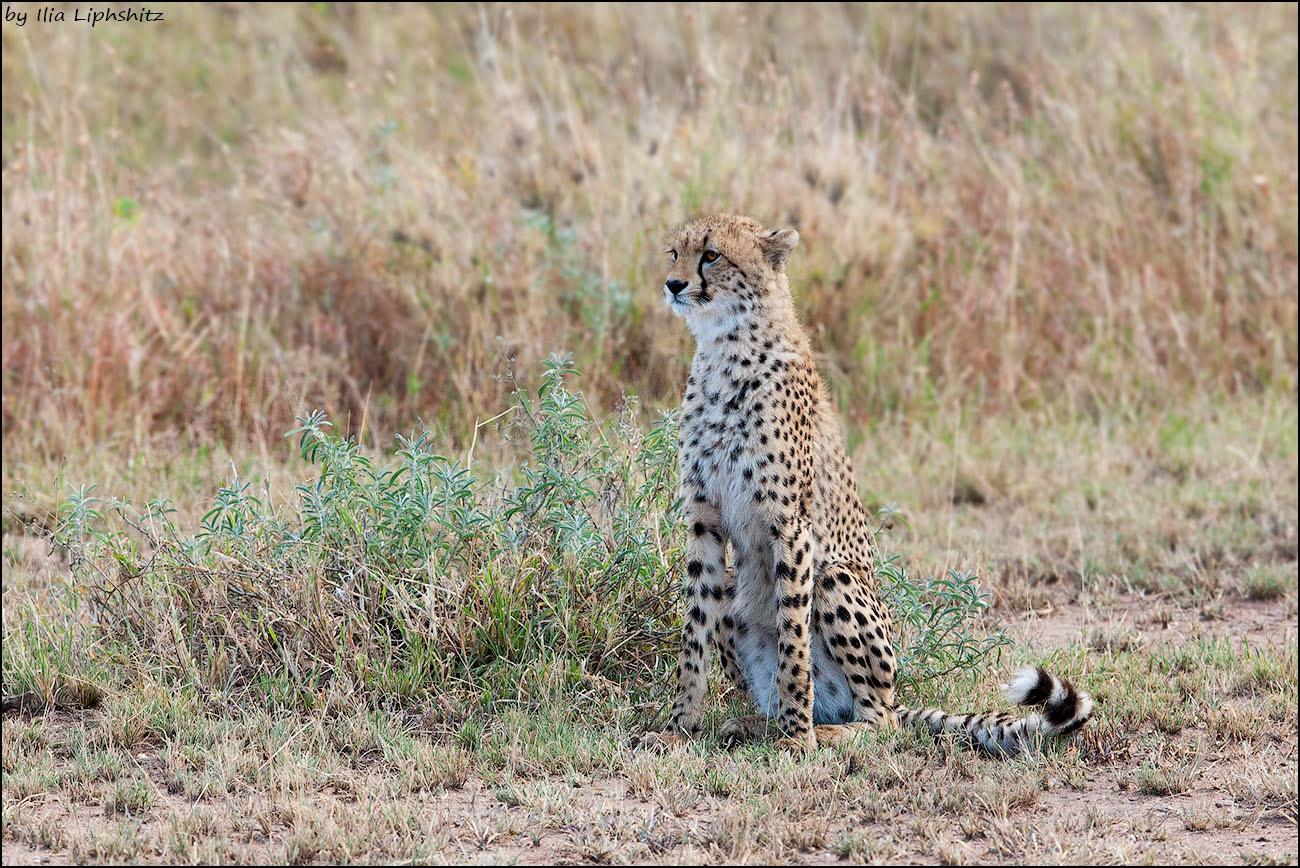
[[214, 224]]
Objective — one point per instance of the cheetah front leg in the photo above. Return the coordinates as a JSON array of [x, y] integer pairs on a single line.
[[705, 595], [793, 570]]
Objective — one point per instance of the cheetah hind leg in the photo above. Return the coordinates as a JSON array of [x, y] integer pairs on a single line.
[[850, 619]]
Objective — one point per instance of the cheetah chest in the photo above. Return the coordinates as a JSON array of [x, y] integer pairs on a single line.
[[736, 450]]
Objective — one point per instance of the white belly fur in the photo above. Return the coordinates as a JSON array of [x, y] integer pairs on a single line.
[[757, 606]]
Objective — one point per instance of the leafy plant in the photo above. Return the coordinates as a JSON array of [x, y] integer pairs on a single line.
[[934, 623], [395, 583]]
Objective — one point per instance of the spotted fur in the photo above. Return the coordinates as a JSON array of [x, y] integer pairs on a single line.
[[764, 476]]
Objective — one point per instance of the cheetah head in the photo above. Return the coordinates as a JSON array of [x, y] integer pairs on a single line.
[[722, 266]]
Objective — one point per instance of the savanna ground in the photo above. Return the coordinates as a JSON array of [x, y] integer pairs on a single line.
[[1049, 259]]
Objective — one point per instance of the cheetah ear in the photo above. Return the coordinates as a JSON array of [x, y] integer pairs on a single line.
[[777, 245]]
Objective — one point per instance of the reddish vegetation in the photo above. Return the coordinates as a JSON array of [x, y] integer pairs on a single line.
[[367, 211]]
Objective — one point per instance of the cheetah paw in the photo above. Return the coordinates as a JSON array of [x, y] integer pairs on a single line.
[[797, 744], [741, 729], [662, 741]]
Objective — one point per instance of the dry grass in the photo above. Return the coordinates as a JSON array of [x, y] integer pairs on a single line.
[[1191, 757], [548, 784], [213, 225]]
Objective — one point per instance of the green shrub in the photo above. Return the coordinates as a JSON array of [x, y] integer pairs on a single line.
[[934, 633], [399, 582]]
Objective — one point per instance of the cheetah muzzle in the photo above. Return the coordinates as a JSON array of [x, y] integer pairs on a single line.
[[796, 617]]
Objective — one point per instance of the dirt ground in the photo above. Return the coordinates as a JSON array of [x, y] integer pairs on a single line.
[[1086, 804]]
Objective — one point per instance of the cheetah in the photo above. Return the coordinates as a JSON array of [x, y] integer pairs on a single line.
[[797, 618]]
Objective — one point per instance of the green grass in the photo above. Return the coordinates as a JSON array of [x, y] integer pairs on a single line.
[[1269, 581]]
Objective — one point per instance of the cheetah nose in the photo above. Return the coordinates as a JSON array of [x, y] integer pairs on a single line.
[[675, 286]]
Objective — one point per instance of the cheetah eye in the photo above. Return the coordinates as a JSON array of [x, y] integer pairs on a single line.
[[710, 255], [673, 254]]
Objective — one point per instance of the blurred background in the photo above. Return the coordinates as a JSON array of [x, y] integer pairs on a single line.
[[217, 222]]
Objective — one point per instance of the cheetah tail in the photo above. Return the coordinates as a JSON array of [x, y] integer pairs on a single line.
[[1064, 710]]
